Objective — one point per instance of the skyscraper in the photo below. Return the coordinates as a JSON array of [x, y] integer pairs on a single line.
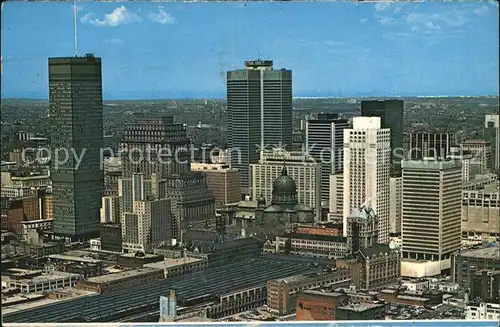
[[437, 145], [259, 112], [391, 113], [75, 97], [492, 134], [324, 143], [432, 197], [367, 171]]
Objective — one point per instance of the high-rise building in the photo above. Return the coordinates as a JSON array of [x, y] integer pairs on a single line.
[[367, 171], [470, 166], [481, 212], [481, 153], [223, 181], [492, 134], [325, 143], [435, 145], [301, 168], [395, 205], [259, 112], [336, 206], [391, 113], [110, 209], [75, 100], [432, 195]]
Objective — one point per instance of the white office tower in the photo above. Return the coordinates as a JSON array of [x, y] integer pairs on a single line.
[[432, 198], [395, 205], [367, 162]]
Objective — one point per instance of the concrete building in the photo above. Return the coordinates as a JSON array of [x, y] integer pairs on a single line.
[[470, 262], [336, 207], [23, 184], [178, 267], [318, 305], [223, 181], [324, 143], [111, 237], [38, 281], [366, 170], [481, 212], [391, 113], [483, 311], [259, 112], [75, 96], [430, 145], [395, 205], [431, 209], [481, 153], [302, 169], [492, 135], [282, 293], [470, 166], [110, 209], [485, 285]]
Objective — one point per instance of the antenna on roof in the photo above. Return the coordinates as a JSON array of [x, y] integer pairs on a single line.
[[74, 28]]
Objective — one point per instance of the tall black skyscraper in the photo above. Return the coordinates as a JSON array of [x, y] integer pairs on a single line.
[[75, 93], [259, 112], [391, 113]]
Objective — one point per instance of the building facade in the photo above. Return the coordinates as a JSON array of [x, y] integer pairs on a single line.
[[302, 169], [325, 143], [336, 207], [434, 145], [431, 209], [481, 212], [223, 181], [75, 101], [492, 135], [481, 153], [367, 170], [259, 112], [391, 113], [395, 205], [110, 209]]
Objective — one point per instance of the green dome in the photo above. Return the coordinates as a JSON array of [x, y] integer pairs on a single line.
[[284, 185]]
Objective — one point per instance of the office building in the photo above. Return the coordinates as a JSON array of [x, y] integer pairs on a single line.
[[75, 101], [435, 145], [336, 206], [492, 135], [481, 212], [485, 285], [470, 166], [366, 171], [223, 181], [481, 153], [391, 113], [325, 144], [110, 209], [432, 192], [301, 168], [259, 112], [395, 205], [467, 263]]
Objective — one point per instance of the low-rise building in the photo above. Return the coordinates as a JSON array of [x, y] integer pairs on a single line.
[[108, 283], [179, 267], [38, 281], [362, 311], [281, 293], [318, 305], [485, 285], [483, 311], [469, 262]]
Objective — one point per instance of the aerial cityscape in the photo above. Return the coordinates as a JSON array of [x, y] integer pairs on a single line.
[[250, 162]]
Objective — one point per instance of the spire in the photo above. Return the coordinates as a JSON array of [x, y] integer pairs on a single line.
[[284, 171]]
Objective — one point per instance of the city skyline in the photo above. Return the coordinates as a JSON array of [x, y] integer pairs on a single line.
[[373, 49]]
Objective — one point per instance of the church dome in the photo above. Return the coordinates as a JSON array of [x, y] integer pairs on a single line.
[[284, 184], [284, 190]]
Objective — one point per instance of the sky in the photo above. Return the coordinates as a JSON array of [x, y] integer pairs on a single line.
[[154, 50]]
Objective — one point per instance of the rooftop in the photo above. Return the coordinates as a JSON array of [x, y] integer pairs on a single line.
[[124, 274], [321, 293], [358, 307], [73, 258], [484, 253], [172, 263]]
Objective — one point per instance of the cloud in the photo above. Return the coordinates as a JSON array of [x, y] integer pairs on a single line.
[[363, 20], [388, 13], [382, 6], [119, 16], [481, 11], [161, 17], [114, 41]]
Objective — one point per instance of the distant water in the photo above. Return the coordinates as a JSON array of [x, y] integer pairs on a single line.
[[388, 323]]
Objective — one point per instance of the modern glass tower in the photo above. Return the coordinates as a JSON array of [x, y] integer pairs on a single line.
[[75, 95], [259, 107], [391, 113]]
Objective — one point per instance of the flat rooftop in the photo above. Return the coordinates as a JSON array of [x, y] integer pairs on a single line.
[[56, 275], [484, 253], [73, 258], [169, 263], [359, 307], [320, 293], [145, 256], [121, 275]]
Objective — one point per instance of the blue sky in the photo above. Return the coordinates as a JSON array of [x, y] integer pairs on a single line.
[[170, 50]]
